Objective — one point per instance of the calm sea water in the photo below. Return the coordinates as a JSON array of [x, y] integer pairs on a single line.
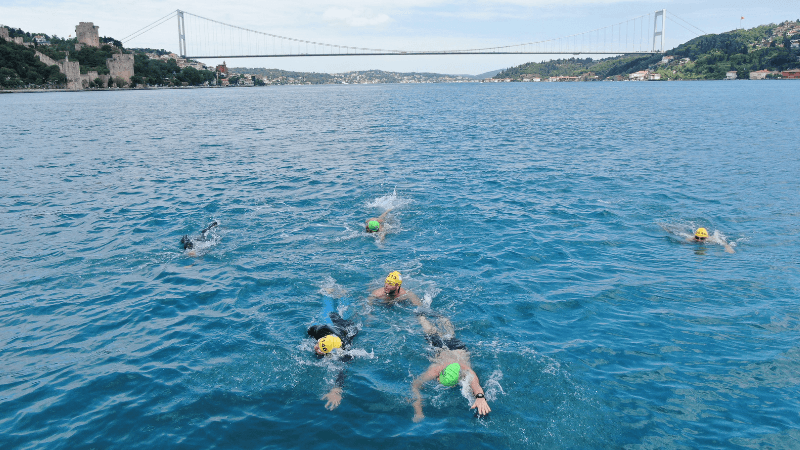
[[547, 221]]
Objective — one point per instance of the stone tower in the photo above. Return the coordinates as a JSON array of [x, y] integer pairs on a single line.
[[121, 65], [4, 32], [87, 34]]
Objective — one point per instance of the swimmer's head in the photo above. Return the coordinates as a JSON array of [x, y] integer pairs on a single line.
[[328, 343], [187, 243], [449, 375], [701, 234], [373, 226], [394, 279]]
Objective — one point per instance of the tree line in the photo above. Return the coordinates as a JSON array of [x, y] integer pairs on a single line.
[[711, 57]]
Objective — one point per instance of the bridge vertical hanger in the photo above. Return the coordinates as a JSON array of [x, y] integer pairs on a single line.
[[656, 34], [181, 35]]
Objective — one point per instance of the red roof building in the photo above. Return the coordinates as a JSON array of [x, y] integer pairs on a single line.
[[791, 74]]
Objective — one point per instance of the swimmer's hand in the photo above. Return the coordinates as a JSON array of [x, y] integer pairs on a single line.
[[728, 248], [482, 405], [334, 398]]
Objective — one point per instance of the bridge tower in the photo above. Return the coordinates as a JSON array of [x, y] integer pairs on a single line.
[[181, 35], [656, 33]]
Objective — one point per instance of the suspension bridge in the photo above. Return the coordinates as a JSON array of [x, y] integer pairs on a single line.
[[203, 38]]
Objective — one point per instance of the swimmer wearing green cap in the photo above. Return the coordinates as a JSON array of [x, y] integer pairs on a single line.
[[449, 366], [375, 225]]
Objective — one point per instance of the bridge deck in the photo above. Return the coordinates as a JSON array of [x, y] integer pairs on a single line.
[[418, 53]]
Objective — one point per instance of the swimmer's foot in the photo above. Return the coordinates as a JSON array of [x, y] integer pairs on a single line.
[[447, 326]]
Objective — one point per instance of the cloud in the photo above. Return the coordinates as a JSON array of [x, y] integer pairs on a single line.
[[355, 17]]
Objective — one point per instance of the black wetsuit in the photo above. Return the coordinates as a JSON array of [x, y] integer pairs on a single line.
[[344, 330], [450, 344], [188, 243]]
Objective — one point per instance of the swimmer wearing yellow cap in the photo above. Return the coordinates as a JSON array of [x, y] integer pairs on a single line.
[[701, 235], [331, 338], [393, 292]]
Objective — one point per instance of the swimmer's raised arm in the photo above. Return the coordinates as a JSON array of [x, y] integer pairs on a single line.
[[382, 217], [480, 400], [416, 386], [413, 298], [728, 247]]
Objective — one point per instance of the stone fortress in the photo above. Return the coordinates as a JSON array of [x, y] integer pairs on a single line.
[[120, 65]]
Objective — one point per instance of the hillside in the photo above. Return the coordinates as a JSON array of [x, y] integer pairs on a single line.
[[766, 47], [20, 68]]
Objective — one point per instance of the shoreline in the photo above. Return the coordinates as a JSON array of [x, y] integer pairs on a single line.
[[42, 91]]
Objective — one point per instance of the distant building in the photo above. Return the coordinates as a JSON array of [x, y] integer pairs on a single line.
[[761, 74], [40, 40], [222, 68], [793, 74], [654, 77], [795, 43], [638, 76], [87, 33], [730, 75]]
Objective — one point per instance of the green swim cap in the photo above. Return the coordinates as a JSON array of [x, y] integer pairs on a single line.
[[374, 225], [449, 376]]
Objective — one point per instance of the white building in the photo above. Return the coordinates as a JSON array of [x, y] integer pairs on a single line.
[[638, 76], [730, 75]]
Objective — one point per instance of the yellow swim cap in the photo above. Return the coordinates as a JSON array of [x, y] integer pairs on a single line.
[[394, 278], [701, 233], [328, 343]]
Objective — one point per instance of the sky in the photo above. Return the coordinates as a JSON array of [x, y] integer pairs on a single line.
[[410, 25]]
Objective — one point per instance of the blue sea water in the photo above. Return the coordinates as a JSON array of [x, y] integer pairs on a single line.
[[547, 221]]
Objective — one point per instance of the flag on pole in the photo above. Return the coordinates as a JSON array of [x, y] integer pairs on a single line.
[[742, 18]]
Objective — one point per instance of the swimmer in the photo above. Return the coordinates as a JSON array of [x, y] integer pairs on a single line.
[[449, 365], [393, 293], [375, 225], [333, 337], [701, 235], [189, 243]]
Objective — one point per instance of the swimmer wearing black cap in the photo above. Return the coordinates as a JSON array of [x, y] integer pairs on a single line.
[[189, 243]]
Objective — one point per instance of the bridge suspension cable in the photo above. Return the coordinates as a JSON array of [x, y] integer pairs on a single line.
[[209, 38], [144, 30], [672, 17], [201, 37]]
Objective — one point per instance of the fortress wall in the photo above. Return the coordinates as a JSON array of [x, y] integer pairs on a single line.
[[46, 59], [91, 76], [4, 33], [71, 69]]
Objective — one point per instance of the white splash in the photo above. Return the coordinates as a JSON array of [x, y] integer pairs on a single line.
[[391, 201]]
